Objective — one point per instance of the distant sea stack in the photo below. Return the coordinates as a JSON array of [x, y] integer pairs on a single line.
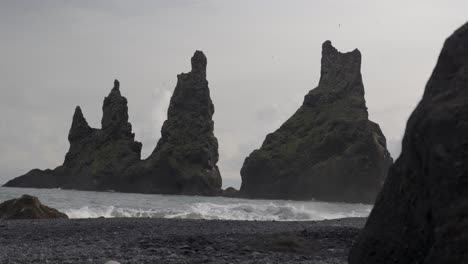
[[328, 150], [184, 161], [97, 158], [421, 214], [185, 157]]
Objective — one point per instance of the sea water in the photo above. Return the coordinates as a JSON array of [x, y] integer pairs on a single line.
[[84, 204]]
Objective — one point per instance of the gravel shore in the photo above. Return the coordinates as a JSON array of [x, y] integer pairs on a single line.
[[145, 240]]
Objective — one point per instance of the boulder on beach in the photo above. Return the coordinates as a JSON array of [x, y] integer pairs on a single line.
[[183, 162], [421, 214], [329, 149], [28, 207]]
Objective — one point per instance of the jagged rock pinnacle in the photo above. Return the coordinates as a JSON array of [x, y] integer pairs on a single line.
[[199, 63], [116, 85], [337, 66], [115, 112], [80, 127], [187, 138], [340, 77], [329, 149], [184, 161]]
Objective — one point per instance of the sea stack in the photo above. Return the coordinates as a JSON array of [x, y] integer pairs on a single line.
[[328, 150], [421, 214], [97, 157], [183, 162], [186, 156]]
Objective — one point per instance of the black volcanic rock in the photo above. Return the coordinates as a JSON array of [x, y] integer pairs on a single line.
[[328, 150], [420, 216], [27, 207], [184, 161], [230, 192], [185, 157], [97, 157]]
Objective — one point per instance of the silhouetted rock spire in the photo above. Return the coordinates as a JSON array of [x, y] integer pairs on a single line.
[[115, 113], [183, 162], [79, 128], [188, 148], [340, 77], [199, 63]]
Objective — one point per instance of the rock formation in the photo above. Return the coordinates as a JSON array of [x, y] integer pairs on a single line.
[[97, 158], [185, 157], [184, 161], [421, 214], [27, 207], [231, 192], [328, 150]]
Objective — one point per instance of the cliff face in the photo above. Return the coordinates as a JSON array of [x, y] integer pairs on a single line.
[[420, 215], [328, 150], [184, 161]]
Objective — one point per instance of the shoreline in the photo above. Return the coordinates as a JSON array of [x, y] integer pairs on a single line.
[[159, 240]]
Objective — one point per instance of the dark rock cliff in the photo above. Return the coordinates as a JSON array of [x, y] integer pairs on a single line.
[[184, 161], [328, 150], [421, 214]]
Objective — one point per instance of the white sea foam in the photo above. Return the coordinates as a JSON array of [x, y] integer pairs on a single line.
[[79, 204], [239, 211]]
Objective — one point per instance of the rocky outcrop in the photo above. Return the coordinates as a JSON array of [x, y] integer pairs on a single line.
[[328, 150], [27, 207], [97, 158], [184, 161], [421, 214]]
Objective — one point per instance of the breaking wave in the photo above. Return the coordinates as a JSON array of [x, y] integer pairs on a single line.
[[83, 204], [211, 211]]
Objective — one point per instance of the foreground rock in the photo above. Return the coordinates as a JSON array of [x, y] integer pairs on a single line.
[[27, 207], [328, 150], [184, 161], [147, 241], [421, 213]]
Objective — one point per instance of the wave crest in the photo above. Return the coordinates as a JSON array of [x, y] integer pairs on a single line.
[[212, 211]]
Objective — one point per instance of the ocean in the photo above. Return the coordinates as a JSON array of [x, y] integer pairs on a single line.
[[85, 204]]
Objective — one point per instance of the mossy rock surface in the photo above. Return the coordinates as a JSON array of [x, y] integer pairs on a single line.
[[329, 149]]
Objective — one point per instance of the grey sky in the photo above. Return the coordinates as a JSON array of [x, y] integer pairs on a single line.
[[263, 57]]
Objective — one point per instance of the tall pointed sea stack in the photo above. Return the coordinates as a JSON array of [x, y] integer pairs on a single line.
[[185, 157], [97, 157], [183, 162], [328, 150], [421, 214]]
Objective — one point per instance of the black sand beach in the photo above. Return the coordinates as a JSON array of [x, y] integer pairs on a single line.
[[144, 240]]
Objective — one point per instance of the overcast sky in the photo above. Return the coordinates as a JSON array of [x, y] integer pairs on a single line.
[[263, 57]]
